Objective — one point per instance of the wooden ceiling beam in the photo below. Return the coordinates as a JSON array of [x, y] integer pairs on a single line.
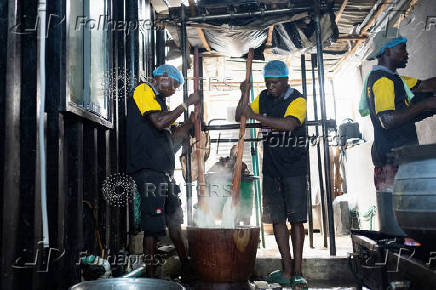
[[269, 39], [200, 33], [403, 15], [199, 30], [362, 32], [343, 38], [341, 10]]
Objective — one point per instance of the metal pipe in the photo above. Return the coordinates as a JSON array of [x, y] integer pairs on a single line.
[[309, 190], [334, 97], [324, 127], [329, 123], [183, 37], [318, 150], [204, 18], [256, 172], [42, 12], [235, 140], [160, 46]]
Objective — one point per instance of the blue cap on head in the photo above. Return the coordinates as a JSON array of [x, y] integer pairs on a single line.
[[171, 71], [275, 69]]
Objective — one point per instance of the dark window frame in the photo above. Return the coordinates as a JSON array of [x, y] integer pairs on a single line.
[[71, 106]]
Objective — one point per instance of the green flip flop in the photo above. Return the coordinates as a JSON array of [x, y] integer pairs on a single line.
[[274, 274], [298, 280], [276, 277]]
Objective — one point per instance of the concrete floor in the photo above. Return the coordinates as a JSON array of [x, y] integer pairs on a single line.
[[343, 247], [320, 269]]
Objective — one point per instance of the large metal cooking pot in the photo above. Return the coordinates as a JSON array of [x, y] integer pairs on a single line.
[[414, 195], [128, 284]]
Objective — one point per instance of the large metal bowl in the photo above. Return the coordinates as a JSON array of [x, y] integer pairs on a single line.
[[127, 284]]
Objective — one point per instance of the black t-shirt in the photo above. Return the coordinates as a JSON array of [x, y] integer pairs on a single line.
[[386, 92], [147, 146], [284, 153]]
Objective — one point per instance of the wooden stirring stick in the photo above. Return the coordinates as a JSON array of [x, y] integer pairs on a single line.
[[201, 183], [236, 181]]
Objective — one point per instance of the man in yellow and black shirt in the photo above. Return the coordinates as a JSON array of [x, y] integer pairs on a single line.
[[282, 112], [150, 156], [390, 101]]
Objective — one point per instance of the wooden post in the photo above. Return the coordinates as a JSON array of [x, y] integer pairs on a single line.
[[236, 181]]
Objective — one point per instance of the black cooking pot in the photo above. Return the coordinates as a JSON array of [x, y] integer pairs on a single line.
[[414, 193]]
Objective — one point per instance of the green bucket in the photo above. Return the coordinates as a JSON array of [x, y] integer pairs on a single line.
[[246, 201]]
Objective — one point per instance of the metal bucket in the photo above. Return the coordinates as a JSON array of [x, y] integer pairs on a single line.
[[414, 195], [223, 255], [127, 284]]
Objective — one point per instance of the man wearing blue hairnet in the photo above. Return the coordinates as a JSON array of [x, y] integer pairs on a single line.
[[282, 112], [391, 102], [150, 158]]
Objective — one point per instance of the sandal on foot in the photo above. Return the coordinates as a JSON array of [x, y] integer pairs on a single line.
[[276, 277], [298, 281]]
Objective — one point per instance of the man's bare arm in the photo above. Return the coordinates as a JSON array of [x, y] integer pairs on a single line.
[[428, 85], [181, 133], [286, 124], [163, 120], [241, 103], [393, 119], [239, 109]]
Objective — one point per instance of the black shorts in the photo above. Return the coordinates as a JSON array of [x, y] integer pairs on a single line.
[[284, 198], [160, 202]]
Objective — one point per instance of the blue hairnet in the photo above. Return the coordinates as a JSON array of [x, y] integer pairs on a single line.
[[391, 44], [171, 71], [275, 69]]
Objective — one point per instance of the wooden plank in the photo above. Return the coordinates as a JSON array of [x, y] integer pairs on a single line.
[[203, 38], [202, 199], [351, 38], [341, 10], [236, 180], [405, 13], [363, 32], [270, 34], [198, 29]]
